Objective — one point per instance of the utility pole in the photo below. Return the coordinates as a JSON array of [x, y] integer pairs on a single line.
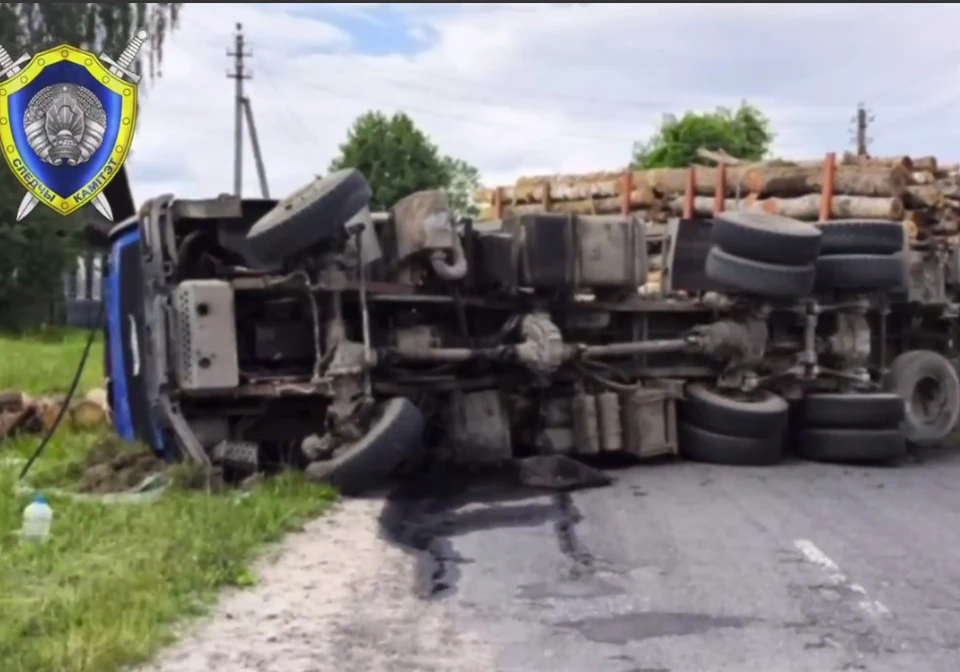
[[238, 75], [862, 120], [255, 144]]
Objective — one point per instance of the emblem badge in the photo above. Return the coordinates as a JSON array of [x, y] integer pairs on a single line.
[[67, 119]]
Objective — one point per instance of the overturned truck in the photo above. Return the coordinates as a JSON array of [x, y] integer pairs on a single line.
[[314, 332]]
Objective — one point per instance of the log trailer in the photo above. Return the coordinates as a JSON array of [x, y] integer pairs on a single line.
[[251, 334]]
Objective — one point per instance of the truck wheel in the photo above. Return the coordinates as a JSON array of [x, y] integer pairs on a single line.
[[861, 272], [701, 445], [776, 281], [308, 216], [851, 411], [850, 445], [930, 389], [769, 238], [842, 236], [758, 415], [393, 437]]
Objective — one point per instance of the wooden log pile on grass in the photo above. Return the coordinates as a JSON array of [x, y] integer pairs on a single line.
[[20, 413]]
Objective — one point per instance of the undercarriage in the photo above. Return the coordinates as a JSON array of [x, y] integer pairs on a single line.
[[314, 333]]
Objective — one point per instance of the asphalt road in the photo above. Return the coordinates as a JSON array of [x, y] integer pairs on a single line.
[[685, 567]]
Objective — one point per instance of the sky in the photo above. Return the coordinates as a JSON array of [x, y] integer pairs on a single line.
[[529, 88]]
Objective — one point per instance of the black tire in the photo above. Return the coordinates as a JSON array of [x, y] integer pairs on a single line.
[[761, 415], [851, 411], [850, 445], [861, 272], [865, 236], [736, 274], [308, 216], [393, 437], [773, 239], [701, 445], [930, 388]]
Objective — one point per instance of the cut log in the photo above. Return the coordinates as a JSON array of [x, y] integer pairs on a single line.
[[850, 159], [596, 206], [806, 208], [925, 163], [12, 422], [98, 396], [785, 182], [782, 181], [47, 410], [924, 196], [88, 415], [13, 400], [720, 156]]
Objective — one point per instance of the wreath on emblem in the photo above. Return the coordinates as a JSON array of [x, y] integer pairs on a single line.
[[65, 122]]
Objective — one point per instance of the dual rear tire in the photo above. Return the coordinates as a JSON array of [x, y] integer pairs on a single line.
[[763, 255], [850, 428], [721, 429], [781, 258]]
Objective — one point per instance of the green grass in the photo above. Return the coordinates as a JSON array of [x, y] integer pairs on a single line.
[[46, 362], [110, 586]]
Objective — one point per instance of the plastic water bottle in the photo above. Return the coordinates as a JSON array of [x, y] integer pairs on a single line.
[[37, 518]]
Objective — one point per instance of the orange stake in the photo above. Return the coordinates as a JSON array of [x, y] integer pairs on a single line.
[[720, 191], [826, 194], [627, 196], [690, 193]]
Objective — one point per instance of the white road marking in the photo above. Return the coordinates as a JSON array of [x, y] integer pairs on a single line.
[[837, 578]]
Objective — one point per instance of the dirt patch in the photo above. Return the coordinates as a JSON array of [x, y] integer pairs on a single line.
[[337, 596], [112, 466]]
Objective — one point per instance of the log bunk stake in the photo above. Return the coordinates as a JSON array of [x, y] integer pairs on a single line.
[[627, 198], [829, 180], [690, 193], [720, 191]]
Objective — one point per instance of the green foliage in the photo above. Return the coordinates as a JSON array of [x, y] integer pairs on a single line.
[[93, 26], [399, 159], [35, 252], [463, 184], [744, 133]]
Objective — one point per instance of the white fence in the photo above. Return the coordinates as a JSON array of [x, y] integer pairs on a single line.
[[83, 291]]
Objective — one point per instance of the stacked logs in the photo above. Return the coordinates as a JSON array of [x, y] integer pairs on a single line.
[[20, 413], [918, 191]]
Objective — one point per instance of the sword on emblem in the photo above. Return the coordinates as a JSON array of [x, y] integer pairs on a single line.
[[10, 67], [119, 68]]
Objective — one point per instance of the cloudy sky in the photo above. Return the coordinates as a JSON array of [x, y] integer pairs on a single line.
[[540, 88]]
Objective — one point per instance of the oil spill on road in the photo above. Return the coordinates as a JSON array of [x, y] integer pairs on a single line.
[[424, 515], [570, 544], [624, 628]]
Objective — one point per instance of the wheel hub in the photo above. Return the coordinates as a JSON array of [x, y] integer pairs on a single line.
[[928, 400]]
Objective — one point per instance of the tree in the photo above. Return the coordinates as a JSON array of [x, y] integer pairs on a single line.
[[744, 133], [464, 182], [399, 159], [35, 252]]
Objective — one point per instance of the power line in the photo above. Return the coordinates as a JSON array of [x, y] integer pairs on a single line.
[[599, 104], [452, 117]]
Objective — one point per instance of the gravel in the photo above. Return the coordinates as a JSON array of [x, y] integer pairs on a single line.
[[335, 596]]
